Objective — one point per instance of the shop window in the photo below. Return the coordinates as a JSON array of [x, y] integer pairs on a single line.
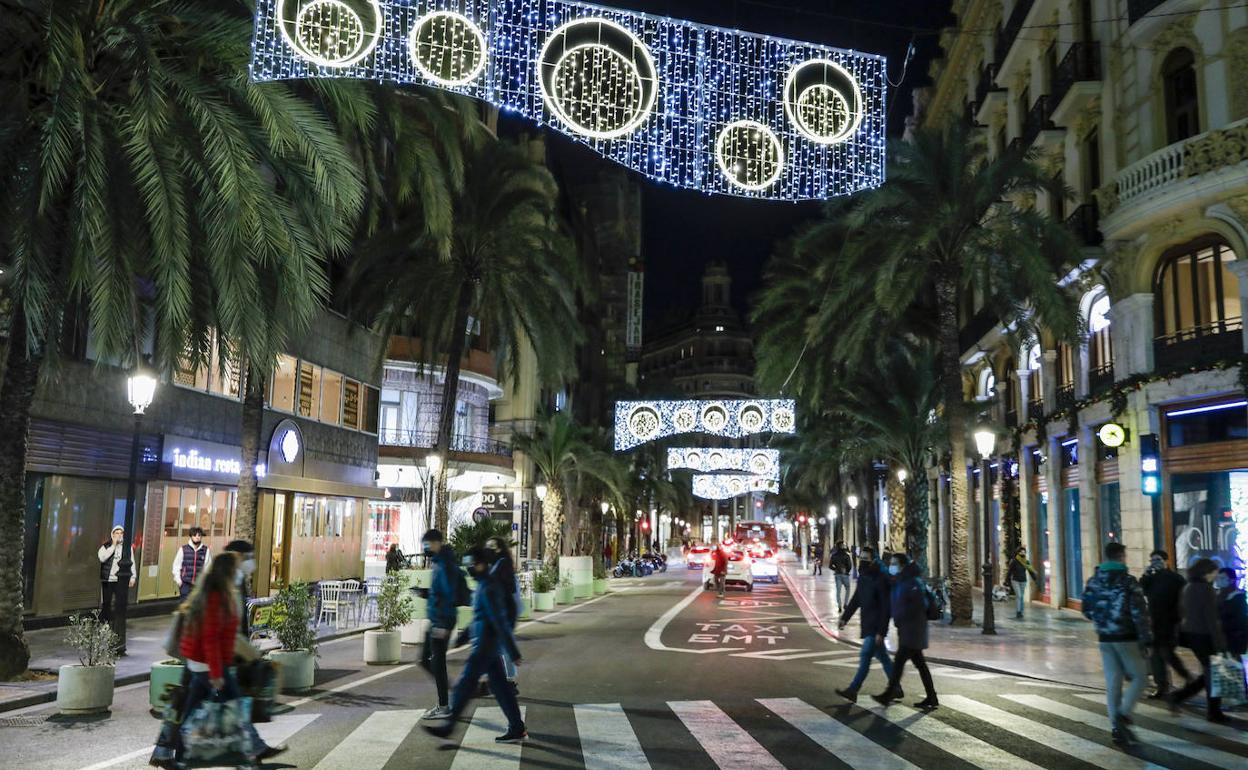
[[1069, 450], [1040, 553], [1196, 294], [1210, 517], [331, 397], [1207, 424], [1182, 99], [282, 397], [304, 516]]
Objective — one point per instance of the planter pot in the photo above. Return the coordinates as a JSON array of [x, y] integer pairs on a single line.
[[463, 617], [414, 632], [600, 585], [85, 689], [296, 669], [526, 610], [382, 648], [544, 602], [164, 673], [563, 595]]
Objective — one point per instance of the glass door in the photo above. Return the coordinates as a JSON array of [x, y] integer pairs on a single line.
[[1040, 559], [279, 558], [1073, 552]]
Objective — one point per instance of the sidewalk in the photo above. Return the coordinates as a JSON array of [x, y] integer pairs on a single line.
[[1049, 644], [48, 652]]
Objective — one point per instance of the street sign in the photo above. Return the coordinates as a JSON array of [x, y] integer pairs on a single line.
[[481, 514], [498, 500], [524, 529]]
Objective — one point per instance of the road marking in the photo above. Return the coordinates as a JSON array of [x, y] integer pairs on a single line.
[[1152, 737], [654, 634], [797, 654], [941, 671], [1071, 745], [478, 751], [962, 745], [279, 730], [607, 739], [840, 740], [812, 617], [373, 742], [721, 738], [1225, 732]]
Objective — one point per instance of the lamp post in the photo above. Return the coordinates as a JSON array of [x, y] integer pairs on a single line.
[[985, 442], [853, 516], [540, 490], [140, 390]]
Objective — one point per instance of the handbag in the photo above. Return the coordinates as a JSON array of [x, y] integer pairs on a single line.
[[173, 637], [1227, 680], [218, 729]]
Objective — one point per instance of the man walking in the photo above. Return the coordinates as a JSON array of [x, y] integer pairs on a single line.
[[110, 556], [842, 564], [908, 605], [441, 608], [191, 561], [871, 600], [1018, 571], [1163, 587], [816, 557], [719, 568], [1114, 602]]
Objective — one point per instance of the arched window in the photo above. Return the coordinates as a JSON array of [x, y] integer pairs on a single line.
[[987, 384], [1196, 301], [1011, 393], [1178, 80], [1035, 385], [1100, 345]]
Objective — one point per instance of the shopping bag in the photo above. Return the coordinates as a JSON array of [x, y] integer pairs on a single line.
[[1228, 680], [217, 729]]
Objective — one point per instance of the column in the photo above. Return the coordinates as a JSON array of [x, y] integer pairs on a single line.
[[1024, 395], [1048, 380], [1240, 268], [1025, 513], [1089, 504], [1131, 329], [1057, 509], [1137, 507]]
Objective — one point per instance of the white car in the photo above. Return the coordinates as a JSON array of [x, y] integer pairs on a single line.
[[699, 556], [764, 566], [739, 571]]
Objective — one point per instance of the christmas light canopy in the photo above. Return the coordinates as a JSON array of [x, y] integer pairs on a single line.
[[728, 486], [756, 462], [637, 422], [705, 108]]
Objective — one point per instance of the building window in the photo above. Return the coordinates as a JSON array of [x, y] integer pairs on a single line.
[[1091, 164], [1065, 375], [1100, 344], [1196, 294], [1178, 75], [1206, 424], [987, 384], [1035, 385], [283, 396], [331, 397]]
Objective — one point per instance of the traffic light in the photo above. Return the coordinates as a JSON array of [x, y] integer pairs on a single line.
[[645, 525], [801, 518], [1150, 464]]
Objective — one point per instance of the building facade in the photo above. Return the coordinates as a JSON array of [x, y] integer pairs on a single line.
[[1139, 108]]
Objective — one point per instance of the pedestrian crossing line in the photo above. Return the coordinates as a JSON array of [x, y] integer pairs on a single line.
[[945, 671], [1151, 737], [838, 739], [728, 745], [478, 751], [1195, 724], [964, 746], [1057, 740], [607, 739], [373, 742]]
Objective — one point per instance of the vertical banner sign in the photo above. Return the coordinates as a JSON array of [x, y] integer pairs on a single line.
[[636, 302], [524, 529]]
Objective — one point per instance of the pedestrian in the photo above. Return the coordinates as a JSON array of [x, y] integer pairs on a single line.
[[395, 560], [209, 640], [1114, 601], [842, 564], [908, 604], [110, 556], [816, 556], [1201, 632], [606, 555], [491, 636], [191, 561], [1163, 587], [1232, 612], [719, 568], [871, 601], [503, 570], [441, 608], [1018, 571]]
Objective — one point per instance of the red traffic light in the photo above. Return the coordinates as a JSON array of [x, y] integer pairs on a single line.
[[645, 525], [801, 519]]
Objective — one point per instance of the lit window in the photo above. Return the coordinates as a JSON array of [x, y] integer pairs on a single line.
[[719, 328]]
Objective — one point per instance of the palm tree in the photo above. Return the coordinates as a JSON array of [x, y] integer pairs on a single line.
[[567, 455], [146, 180], [507, 267]]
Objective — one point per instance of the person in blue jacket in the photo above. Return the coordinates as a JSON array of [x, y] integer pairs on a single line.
[[908, 605], [870, 600], [441, 609], [491, 636]]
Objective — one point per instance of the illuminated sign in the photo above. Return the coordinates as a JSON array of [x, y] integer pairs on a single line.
[[192, 460]]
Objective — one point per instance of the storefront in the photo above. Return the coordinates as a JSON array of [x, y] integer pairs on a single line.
[[1072, 523], [1038, 489]]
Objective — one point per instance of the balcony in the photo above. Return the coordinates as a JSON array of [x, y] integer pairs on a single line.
[[1035, 409], [988, 95], [1009, 31], [1066, 396], [1101, 378], [1037, 125], [1076, 82], [1084, 222], [1200, 346], [1138, 9], [413, 445]]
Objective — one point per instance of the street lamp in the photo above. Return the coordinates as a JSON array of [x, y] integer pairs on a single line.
[[540, 490], [986, 442], [605, 507], [853, 502], [140, 390], [902, 475]]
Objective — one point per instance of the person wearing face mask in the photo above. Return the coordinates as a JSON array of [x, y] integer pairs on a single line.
[[245, 553], [1232, 611], [871, 601], [109, 555], [1201, 632], [191, 561], [441, 609], [841, 564], [503, 571], [1162, 587], [908, 604]]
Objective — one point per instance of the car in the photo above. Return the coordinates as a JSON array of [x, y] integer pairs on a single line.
[[764, 566], [699, 556], [740, 572]]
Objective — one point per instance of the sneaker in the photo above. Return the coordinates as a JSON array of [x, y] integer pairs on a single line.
[[441, 729], [927, 704], [272, 751], [848, 694], [1159, 695], [1121, 737], [886, 698], [437, 712], [1218, 718], [513, 736]]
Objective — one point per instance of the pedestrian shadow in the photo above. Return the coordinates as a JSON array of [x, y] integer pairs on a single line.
[[327, 675], [353, 699]]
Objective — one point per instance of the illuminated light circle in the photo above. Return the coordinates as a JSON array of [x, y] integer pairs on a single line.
[[644, 423], [598, 78], [823, 101], [289, 446], [714, 418], [717, 460], [693, 460], [331, 33], [760, 464], [685, 420], [447, 48], [1112, 435], [749, 155], [752, 418], [782, 420]]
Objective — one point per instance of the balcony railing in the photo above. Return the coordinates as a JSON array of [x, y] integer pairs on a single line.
[[1037, 120], [1101, 378], [1201, 345], [987, 83], [1009, 31], [1199, 155], [1084, 222], [425, 439], [1137, 9], [1066, 396], [1082, 62], [1035, 408]]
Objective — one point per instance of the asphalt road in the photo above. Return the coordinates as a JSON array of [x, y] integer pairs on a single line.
[[662, 674]]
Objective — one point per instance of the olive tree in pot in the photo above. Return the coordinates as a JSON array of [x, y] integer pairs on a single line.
[[544, 581], [394, 610], [291, 619], [87, 688]]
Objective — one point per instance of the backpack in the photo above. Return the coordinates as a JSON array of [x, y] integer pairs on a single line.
[[933, 604], [463, 595]]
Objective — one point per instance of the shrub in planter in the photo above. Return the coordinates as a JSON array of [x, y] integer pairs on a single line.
[[291, 620], [394, 610], [544, 582], [87, 688], [600, 578], [563, 591]]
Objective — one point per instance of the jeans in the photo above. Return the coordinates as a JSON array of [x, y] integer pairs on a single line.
[[720, 583], [899, 664], [818, 566], [486, 658], [1020, 596], [509, 668], [842, 591], [1122, 659], [433, 658], [200, 690], [110, 595], [1162, 660], [871, 649]]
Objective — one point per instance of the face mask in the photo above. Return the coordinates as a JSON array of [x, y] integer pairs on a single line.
[[894, 569], [426, 549], [248, 567], [1221, 582]]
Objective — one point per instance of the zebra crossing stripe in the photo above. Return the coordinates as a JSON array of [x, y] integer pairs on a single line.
[[373, 742], [607, 739], [1152, 737], [1225, 732], [478, 751], [966, 747], [728, 745], [1082, 749], [838, 739]]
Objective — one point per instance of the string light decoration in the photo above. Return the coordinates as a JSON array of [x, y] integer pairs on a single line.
[[637, 422], [698, 107], [726, 487], [755, 462]]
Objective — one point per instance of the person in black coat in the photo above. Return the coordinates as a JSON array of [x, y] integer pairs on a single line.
[[1162, 587], [870, 600], [908, 607], [1232, 612]]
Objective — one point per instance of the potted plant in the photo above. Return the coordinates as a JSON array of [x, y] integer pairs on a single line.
[[544, 590], [290, 617], [165, 674], [600, 578], [563, 591], [87, 688], [384, 646]]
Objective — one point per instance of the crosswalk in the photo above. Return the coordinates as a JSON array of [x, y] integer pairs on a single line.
[[998, 731]]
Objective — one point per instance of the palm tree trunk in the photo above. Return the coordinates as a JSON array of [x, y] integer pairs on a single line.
[[450, 390], [917, 520], [552, 524], [897, 515], [21, 374], [252, 424], [960, 604]]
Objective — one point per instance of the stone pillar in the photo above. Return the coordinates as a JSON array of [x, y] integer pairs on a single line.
[[1240, 268], [1057, 509], [1026, 516], [1048, 380], [1137, 507], [1131, 329], [1024, 395], [1089, 504]]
